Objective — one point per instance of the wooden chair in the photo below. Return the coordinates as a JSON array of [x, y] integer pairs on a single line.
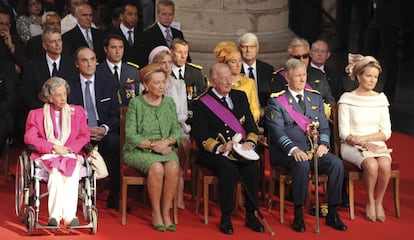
[[353, 173], [131, 176], [205, 178], [281, 174]]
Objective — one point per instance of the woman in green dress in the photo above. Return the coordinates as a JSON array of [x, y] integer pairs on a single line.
[[152, 136]]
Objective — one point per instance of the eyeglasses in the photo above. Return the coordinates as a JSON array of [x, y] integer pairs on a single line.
[[304, 56], [320, 51]]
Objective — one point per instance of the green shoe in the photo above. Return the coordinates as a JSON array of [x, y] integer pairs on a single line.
[[171, 228], [160, 228]]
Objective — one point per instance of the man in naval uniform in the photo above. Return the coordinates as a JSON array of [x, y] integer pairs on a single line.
[[220, 113]]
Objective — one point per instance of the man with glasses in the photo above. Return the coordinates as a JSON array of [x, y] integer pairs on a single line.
[[319, 56], [11, 47], [299, 48], [259, 71]]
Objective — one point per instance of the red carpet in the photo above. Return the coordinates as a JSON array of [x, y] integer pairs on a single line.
[[191, 226]]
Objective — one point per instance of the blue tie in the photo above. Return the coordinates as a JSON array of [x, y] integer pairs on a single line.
[[90, 109]]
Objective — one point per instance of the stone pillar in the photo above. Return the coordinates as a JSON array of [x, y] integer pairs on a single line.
[[206, 23]]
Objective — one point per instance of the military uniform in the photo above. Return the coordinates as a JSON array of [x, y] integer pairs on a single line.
[[284, 134], [315, 78], [206, 134]]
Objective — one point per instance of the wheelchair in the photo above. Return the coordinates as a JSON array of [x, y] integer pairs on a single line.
[[29, 176]]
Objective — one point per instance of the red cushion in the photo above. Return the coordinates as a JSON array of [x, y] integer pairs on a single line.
[[131, 172]]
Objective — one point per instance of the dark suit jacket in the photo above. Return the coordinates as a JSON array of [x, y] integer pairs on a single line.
[[264, 73], [128, 85], [105, 99], [18, 57], [8, 80], [153, 37], [35, 74], [135, 53], [193, 77], [74, 39], [315, 78]]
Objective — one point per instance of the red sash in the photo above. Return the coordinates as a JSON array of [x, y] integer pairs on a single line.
[[301, 120], [223, 113]]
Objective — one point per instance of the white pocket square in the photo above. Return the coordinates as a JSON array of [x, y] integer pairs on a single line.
[[105, 99]]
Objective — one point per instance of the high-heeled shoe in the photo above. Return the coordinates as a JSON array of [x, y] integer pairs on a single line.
[[160, 228], [370, 215], [171, 228], [379, 210]]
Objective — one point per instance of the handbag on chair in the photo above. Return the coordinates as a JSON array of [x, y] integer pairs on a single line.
[[98, 164]]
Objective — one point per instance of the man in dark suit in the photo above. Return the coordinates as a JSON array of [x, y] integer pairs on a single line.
[[221, 102], [11, 47], [97, 94], [261, 72], [289, 114], [299, 48], [161, 32], [131, 35], [320, 54], [8, 80], [125, 75], [50, 20], [83, 34], [41, 68]]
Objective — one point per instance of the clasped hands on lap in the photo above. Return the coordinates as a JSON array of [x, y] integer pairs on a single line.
[[361, 141], [228, 146], [161, 146]]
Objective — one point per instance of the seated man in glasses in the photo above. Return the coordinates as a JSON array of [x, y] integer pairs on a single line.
[[299, 48]]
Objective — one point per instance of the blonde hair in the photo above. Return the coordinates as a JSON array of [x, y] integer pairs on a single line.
[[224, 50], [147, 71], [358, 63]]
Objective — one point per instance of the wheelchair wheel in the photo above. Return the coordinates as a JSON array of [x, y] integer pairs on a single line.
[[21, 186], [30, 221], [94, 219]]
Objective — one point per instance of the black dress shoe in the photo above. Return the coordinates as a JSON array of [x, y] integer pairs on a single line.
[[334, 221], [253, 223], [298, 224], [226, 226]]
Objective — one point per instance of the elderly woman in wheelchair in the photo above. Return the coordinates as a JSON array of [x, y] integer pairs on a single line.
[[58, 132]]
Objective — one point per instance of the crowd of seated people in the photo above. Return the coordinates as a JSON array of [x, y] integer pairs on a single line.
[[104, 67]]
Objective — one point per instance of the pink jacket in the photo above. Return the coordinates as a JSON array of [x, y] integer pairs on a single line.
[[35, 133]]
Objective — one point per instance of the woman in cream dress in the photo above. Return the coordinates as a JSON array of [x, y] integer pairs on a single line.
[[364, 126]]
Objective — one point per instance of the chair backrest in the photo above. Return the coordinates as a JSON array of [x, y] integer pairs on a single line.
[[123, 111], [336, 142]]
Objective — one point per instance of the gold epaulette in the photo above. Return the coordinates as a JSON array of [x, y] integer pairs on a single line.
[[252, 137], [312, 90], [277, 94], [277, 71], [133, 64], [195, 65], [210, 144]]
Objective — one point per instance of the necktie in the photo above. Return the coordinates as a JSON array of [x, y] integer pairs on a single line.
[[130, 38], [223, 99], [251, 75], [90, 109], [180, 75], [168, 37], [116, 73], [301, 103], [89, 40], [54, 71]]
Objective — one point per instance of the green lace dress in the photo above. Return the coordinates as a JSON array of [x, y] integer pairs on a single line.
[[144, 121]]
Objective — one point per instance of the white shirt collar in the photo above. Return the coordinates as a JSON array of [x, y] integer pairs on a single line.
[[294, 93], [175, 70], [163, 29], [322, 68], [125, 30], [111, 66], [246, 67]]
